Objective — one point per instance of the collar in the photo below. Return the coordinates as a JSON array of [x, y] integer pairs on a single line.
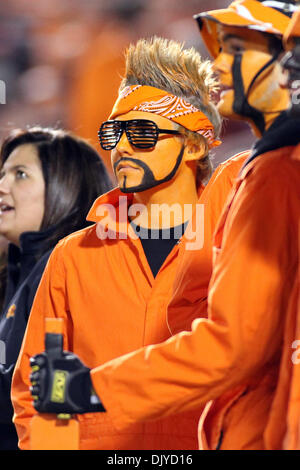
[[284, 132], [21, 260], [31, 243], [110, 212]]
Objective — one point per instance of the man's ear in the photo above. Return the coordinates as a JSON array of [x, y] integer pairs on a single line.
[[194, 150]]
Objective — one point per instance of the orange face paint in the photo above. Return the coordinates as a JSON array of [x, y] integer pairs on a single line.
[[265, 94], [139, 169]]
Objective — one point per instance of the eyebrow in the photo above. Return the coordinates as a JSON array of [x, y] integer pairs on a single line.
[[228, 36], [15, 167]]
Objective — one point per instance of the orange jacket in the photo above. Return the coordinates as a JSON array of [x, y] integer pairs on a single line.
[[189, 300], [233, 356], [292, 437], [111, 303], [286, 403]]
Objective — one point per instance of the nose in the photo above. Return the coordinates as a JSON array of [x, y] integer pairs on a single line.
[[4, 185], [124, 147], [223, 63]]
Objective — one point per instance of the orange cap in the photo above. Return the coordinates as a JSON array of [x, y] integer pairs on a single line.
[[269, 16], [293, 30]]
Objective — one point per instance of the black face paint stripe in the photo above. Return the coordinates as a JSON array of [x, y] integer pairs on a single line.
[[124, 181], [149, 180], [241, 105]]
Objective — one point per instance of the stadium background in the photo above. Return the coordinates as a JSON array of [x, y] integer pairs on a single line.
[[61, 60]]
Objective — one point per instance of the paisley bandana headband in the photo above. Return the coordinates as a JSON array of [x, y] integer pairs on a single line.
[[153, 100]]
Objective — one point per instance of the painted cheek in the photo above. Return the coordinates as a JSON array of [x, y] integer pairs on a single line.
[[163, 162], [252, 62], [163, 168]]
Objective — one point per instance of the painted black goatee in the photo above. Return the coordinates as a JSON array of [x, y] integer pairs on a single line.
[[148, 180]]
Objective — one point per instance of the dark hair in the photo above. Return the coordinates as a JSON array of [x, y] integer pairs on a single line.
[[74, 177]]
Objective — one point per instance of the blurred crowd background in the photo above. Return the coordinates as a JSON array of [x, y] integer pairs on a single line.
[[61, 60]]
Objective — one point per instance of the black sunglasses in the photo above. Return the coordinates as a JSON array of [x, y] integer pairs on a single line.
[[142, 133]]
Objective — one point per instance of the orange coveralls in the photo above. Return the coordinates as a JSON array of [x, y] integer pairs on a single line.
[[106, 292], [233, 356]]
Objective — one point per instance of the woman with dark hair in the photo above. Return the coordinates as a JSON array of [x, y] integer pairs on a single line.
[[48, 181]]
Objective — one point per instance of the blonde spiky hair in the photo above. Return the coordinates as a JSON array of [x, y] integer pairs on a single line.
[[165, 64]]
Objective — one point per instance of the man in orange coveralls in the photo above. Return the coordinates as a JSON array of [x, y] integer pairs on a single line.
[[286, 399], [245, 94], [111, 284], [231, 360]]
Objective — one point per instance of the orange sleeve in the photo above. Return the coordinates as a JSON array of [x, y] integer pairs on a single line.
[[220, 185], [249, 288], [49, 302], [194, 269]]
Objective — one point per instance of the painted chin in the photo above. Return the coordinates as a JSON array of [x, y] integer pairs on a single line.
[[225, 104], [129, 179]]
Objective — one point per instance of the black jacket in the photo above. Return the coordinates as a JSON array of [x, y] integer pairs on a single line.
[[24, 270]]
